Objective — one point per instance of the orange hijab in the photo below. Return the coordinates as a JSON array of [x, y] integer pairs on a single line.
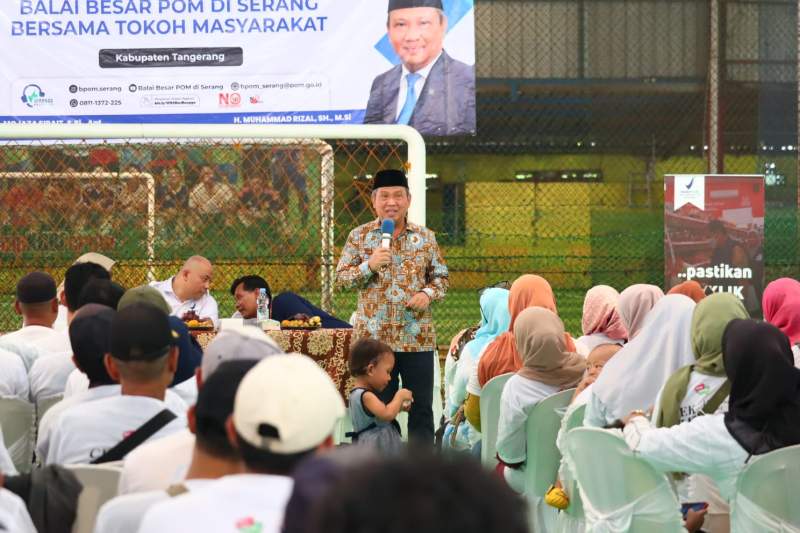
[[690, 288], [501, 355]]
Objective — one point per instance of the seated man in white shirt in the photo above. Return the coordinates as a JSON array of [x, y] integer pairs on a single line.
[[36, 302], [143, 359], [91, 257], [90, 336], [157, 465], [50, 373], [64, 314], [285, 410], [212, 455], [187, 292]]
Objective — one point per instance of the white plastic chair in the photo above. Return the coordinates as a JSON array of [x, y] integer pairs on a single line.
[[44, 404], [490, 414], [572, 518], [620, 492], [766, 493], [542, 457], [100, 484], [18, 420]]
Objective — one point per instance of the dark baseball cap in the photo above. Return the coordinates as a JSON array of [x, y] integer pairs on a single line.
[[35, 288], [141, 332], [90, 338]]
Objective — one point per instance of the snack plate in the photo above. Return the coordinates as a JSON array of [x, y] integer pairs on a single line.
[[200, 328]]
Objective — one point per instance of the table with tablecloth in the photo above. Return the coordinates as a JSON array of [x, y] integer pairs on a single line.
[[328, 347]]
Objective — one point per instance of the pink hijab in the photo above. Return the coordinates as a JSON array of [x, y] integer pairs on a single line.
[[634, 304], [600, 313], [781, 304]]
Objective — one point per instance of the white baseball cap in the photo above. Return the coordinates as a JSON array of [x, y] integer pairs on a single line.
[[287, 404], [232, 343]]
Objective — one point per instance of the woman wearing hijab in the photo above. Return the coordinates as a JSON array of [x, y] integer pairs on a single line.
[[763, 413], [547, 368], [601, 323], [501, 356], [634, 304], [690, 288], [781, 304], [495, 320], [701, 388], [632, 378]]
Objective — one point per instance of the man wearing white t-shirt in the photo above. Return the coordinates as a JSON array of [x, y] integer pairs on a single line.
[[143, 359], [90, 337], [107, 263], [212, 455], [158, 464], [285, 409], [36, 302], [187, 292]]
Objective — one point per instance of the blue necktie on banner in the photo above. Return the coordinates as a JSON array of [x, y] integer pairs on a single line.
[[411, 99], [454, 10]]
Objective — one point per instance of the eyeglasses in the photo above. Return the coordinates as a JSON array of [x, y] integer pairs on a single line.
[[498, 285]]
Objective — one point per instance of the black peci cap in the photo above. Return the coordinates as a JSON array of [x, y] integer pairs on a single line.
[[389, 178], [405, 4]]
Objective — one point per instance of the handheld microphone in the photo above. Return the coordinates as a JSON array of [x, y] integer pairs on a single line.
[[387, 230]]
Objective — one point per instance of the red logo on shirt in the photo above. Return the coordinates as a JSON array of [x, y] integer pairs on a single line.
[[248, 525], [700, 388]]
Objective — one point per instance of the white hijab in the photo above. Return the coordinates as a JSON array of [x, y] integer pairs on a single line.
[[632, 378]]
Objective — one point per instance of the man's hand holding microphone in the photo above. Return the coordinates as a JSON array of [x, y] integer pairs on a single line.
[[381, 257]]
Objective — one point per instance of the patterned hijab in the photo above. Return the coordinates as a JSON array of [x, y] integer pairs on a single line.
[[600, 313], [781, 304], [495, 320], [634, 304], [709, 320], [690, 288], [501, 355], [539, 338]]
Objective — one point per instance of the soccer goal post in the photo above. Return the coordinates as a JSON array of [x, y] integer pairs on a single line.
[[251, 197]]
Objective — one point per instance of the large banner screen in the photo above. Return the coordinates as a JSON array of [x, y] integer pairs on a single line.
[[714, 234], [240, 62]]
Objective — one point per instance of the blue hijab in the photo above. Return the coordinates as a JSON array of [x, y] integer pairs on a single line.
[[495, 319]]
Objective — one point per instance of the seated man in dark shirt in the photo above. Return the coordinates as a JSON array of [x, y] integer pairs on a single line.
[[283, 307]]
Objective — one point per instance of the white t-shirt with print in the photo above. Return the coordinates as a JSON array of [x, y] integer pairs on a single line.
[[14, 377], [87, 430], [157, 464], [232, 503], [48, 375], [54, 413], [124, 514]]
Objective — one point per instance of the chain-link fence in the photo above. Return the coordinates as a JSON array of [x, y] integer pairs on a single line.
[[583, 107]]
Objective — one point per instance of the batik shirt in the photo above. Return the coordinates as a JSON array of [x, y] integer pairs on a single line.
[[417, 265]]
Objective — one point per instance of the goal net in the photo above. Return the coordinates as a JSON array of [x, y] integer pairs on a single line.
[[264, 203]]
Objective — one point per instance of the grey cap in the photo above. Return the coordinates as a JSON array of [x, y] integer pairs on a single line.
[[236, 343]]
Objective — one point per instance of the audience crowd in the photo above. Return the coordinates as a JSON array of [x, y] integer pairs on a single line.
[[243, 437]]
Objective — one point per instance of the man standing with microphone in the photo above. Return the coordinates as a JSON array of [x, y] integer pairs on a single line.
[[398, 275]]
